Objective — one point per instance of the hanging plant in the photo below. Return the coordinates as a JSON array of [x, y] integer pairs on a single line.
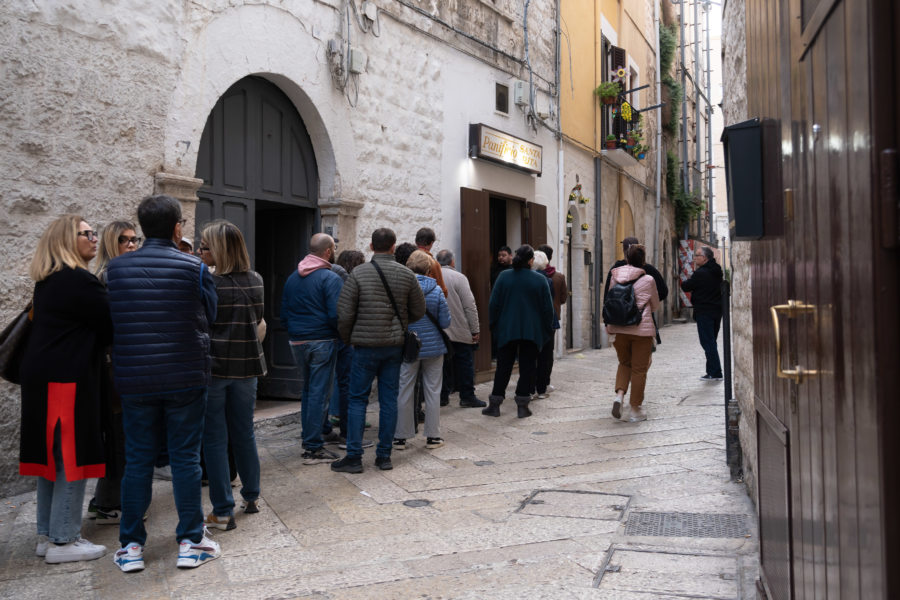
[[575, 194], [584, 226], [608, 91], [569, 218], [583, 200]]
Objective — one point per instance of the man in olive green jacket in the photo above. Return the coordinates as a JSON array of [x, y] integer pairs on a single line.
[[367, 321]]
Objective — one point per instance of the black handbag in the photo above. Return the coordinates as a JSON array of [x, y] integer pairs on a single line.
[[411, 342], [12, 345]]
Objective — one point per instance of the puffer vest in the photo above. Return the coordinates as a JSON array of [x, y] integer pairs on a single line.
[[160, 328]]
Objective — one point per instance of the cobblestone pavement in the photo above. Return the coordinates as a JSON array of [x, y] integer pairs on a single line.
[[566, 504]]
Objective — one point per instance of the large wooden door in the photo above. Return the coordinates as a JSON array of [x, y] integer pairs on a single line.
[[259, 172], [475, 263], [824, 492]]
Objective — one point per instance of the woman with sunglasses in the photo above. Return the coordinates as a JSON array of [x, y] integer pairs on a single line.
[[118, 238], [237, 361], [61, 384]]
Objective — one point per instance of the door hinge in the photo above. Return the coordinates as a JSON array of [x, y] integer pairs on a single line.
[[890, 202]]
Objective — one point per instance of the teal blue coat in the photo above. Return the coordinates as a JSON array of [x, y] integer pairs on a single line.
[[521, 307]]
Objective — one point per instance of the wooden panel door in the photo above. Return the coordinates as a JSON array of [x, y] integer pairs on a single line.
[[534, 225], [475, 263], [823, 520]]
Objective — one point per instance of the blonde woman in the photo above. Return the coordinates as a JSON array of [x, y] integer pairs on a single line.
[[118, 238], [237, 361], [61, 381]]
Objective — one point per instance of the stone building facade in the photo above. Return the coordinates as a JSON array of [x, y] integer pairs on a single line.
[[104, 103], [734, 109]]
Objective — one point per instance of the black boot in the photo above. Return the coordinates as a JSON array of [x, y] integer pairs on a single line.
[[493, 409], [522, 406]]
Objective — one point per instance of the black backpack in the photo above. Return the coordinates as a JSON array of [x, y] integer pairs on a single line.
[[620, 306]]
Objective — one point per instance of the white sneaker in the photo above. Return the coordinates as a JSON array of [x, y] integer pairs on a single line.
[[636, 414], [130, 558], [80, 549], [191, 555], [544, 395], [550, 389], [42, 546]]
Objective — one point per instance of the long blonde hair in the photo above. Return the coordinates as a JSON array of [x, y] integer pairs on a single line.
[[109, 243], [57, 248], [226, 244]]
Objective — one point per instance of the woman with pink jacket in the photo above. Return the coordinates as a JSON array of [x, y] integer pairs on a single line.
[[634, 343]]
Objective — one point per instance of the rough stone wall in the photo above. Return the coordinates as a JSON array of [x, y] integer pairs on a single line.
[[734, 108]]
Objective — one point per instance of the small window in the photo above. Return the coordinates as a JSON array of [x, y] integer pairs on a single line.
[[502, 98]]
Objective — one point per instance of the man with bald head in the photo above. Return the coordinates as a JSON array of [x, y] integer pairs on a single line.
[[309, 313]]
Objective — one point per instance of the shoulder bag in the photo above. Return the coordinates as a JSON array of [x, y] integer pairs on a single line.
[[411, 342], [12, 344], [447, 343]]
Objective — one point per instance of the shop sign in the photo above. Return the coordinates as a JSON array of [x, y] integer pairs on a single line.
[[496, 146]]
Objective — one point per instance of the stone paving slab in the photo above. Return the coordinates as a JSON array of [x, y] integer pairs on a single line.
[[323, 535]]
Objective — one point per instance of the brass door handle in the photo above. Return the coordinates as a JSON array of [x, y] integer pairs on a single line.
[[793, 308]]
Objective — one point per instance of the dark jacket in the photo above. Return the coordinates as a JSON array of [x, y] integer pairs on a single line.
[[309, 305], [661, 288], [234, 345], [436, 305], [61, 375], [705, 286], [162, 303], [365, 315], [521, 307]]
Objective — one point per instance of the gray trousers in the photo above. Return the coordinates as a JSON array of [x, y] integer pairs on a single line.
[[432, 378]]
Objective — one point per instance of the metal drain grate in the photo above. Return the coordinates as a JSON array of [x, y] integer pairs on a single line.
[[702, 525]]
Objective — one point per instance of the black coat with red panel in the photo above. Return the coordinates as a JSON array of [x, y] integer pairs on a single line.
[[61, 376]]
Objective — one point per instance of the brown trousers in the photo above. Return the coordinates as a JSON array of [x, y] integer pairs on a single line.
[[634, 352]]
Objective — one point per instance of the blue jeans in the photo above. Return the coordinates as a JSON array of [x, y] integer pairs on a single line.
[[370, 362], [340, 398], [708, 330], [59, 502], [144, 418], [229, 418], [315, 365]]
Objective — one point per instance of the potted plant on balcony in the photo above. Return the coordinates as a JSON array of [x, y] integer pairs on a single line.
[[611, 142], [640, 151], [634, 138], [608, 91]]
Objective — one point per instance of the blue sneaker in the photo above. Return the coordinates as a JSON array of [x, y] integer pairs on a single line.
[[130, 558], [191, 555]]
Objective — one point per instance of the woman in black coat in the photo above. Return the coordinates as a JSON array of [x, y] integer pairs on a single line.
[[61, 442]]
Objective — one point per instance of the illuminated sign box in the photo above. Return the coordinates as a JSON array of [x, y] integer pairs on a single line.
[[504, 149]]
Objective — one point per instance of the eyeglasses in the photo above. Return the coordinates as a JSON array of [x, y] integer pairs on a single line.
[[202, 249], [89, 234], [129, 240]]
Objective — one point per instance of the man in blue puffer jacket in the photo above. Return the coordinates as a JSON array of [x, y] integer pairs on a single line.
[[309, 312], [162, 303]]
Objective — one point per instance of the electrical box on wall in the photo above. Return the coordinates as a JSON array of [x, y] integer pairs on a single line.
[[753, 179], [520, 93], [358, 60]]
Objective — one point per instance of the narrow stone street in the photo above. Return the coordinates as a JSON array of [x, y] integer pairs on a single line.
[[566, 504]]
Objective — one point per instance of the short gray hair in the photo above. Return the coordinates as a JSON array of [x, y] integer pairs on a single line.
[[444, 257], [707, 252], [540, 261]]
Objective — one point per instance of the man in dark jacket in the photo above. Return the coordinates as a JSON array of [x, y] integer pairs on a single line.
[[661, 288], [367, 320], [163, 302], [705, 286], [309, 312]]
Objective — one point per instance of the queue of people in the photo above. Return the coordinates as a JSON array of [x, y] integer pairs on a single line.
[[157, 354]]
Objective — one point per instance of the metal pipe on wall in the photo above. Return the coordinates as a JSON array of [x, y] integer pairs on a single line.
[[711, 194], [698, 185], [685, 180], [656, 24]]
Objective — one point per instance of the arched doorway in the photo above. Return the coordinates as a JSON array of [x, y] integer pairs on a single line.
[[259, 172]]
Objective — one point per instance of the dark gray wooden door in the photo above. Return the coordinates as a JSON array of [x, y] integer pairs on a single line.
[[259, 172]]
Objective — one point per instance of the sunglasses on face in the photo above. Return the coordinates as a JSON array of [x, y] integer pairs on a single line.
[[129, 240], [89, 234]]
